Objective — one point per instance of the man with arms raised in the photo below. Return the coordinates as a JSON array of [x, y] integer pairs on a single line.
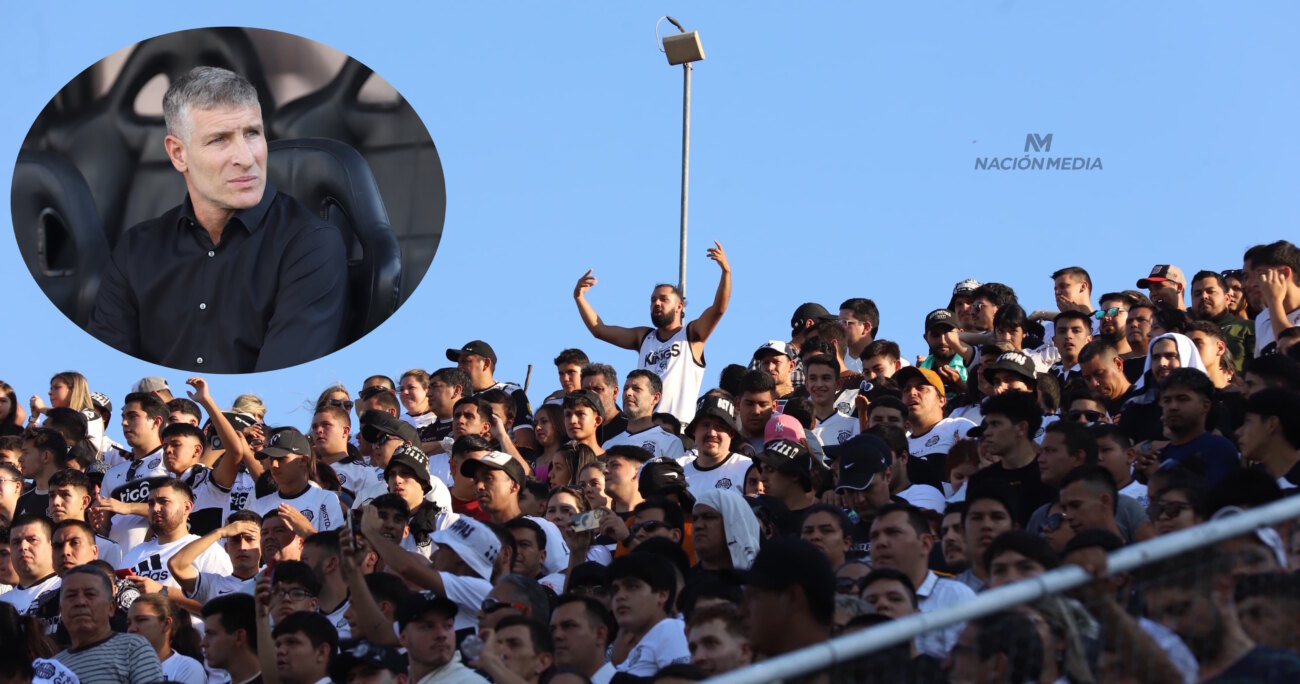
[[672, 350], [166, 295]]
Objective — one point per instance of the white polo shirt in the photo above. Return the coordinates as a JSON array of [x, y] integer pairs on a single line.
[[936, 593]]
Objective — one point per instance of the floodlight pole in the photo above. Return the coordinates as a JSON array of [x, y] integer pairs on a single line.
[[686, 171]]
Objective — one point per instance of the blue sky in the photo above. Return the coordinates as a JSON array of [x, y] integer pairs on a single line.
[[833, 156]]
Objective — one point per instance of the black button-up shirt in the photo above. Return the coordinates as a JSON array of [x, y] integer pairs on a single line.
[[272, 294]]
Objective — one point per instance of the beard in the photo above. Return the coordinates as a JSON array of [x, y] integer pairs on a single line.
[[663, 319]]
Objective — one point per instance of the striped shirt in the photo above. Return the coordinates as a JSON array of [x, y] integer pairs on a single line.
[[119, 659]]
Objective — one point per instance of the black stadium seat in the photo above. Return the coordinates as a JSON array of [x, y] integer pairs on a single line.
[[333, 180], [119, 151], [398, 148], [58, 231]]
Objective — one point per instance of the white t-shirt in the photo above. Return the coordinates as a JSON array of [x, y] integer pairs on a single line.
[[730, 474], [109, 551], [1137, 491], [127, 482], [940, 438], [340, 623], [665, 644], [440, 468], [209, 585], [654, 439], [320, 506], [468, 594], [184, 669], [149, 559], [1264, 334], [837, 429], [23, 598]]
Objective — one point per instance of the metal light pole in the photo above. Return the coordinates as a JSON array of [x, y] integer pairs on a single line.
[[684, 48]]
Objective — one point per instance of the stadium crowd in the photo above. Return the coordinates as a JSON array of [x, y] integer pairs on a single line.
[[435, 528]]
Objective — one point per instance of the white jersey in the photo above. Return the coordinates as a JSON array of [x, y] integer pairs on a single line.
[[468, 594], [730, 474], [682, 376], [149, 559], [663, 645], [210, 500], [336, 618], [129, 482], [1264, 335], [360, 482], [837, 429], [940, 438], [654, 439], [320, 506], [242, 492], [22, 598], [1136, 491], [440, 468]]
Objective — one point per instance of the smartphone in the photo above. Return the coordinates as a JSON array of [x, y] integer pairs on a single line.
[[588, 520], [355, 517], [123, 573]]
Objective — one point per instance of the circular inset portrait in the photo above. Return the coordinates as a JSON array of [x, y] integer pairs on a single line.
[[228, 200]]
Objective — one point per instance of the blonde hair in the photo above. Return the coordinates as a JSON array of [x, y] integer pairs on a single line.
[[421, 376], [250, 404], [79, 390], [323, 399]]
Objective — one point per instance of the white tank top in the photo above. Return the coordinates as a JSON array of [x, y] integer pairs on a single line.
[[676, 367]]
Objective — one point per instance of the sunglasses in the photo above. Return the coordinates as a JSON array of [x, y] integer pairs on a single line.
[[1170, 509], [1108, 313], [1053, 522], [345, 404], [1086, 416], [848, 585], [491, 605], [649, 526]]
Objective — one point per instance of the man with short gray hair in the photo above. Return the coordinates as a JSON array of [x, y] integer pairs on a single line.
[[237, 278]]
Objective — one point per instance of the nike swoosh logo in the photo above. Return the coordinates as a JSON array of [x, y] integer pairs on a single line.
[[849, 465]]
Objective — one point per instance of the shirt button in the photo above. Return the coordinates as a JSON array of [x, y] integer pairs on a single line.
[[211, 253], [202, 306], [199, 360]]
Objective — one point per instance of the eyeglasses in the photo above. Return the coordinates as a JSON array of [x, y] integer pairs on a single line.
[[491, 605], [1108, 313], [10, 479], [1170, 509], [649, 526], [1087, 416], [345, 404], [1053, 522], [294, 594]]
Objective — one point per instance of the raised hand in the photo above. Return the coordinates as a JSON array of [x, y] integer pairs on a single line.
[[715, 253], [586, 282], [200, 395]]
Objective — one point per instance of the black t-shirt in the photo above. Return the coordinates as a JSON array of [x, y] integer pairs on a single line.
[[1027, 483], [1133, 368], [1262, 664], [32, 502], [613, 428]]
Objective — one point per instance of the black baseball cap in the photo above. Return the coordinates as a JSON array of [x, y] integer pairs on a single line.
[[419, 603], [239, 421], [584, 397], [475, 347], [716, 407], [285, 441], [373, 390], [807, 310], [860, 459], [376, 423], [365, 654], [495, 460], [940, 318], [1014, 362], [786, 456], [414, 458], [784, 562], [661, 475]]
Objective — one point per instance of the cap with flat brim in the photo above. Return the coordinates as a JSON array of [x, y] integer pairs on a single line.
[[474, 542], [1012, 362], [475, 347], [284, 442], [375, 424], [715, 407]]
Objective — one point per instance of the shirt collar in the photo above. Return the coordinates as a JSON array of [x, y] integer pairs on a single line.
[[927, 587], [251, 218]]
